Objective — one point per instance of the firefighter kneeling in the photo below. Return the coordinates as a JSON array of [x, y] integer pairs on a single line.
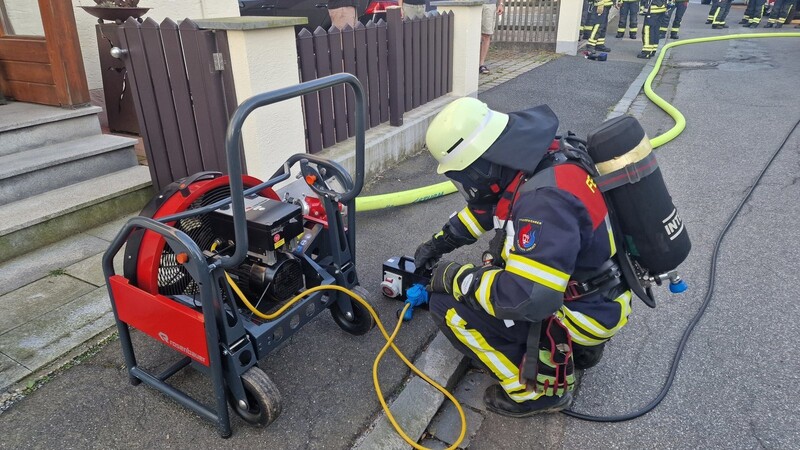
[[549, 294]]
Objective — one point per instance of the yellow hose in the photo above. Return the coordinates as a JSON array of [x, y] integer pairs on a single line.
[[404, 197], [389, 343], [441, 189], [680, 121]]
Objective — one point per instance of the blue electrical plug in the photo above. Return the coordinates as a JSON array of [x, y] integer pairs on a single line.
[[416, 295], [678, 287]]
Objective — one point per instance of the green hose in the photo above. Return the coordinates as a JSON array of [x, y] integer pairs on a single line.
[[680, 121], [404, 197], [441, 189]]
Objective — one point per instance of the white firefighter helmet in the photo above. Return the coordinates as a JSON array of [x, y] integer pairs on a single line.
[[462, 132]]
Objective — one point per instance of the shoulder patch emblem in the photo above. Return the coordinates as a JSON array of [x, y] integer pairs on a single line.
[[529, 234]]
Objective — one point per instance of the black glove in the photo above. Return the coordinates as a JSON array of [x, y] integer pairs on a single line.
[[428, 253], [444, 276], [457, 280], [494, 255]]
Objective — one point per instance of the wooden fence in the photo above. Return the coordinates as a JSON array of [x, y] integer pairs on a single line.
[[528, 21], [183, 95], [401, 65]]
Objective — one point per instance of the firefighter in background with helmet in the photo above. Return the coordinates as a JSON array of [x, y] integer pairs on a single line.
[[549, 294]]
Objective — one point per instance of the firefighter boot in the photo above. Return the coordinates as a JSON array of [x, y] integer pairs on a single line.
[[602, 48], [498, 401], [632, 35], [674, 35], [645, 55], [619, 35], [777, 25]]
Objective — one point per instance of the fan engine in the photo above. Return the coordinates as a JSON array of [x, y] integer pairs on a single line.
[[270, 274]]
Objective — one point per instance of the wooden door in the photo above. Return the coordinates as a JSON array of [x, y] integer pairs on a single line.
[[43, 69]]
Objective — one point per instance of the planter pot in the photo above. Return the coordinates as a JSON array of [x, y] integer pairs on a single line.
[[114, 14]]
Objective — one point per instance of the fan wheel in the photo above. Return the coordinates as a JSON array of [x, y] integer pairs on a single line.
[[150, 263]]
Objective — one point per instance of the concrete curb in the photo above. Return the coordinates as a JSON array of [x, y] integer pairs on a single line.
[[633, 91], [418, 402], [635, 88]]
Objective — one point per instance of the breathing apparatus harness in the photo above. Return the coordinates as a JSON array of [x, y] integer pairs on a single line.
[[567, 149]]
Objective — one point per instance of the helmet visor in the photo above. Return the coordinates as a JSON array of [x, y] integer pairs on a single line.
[[478, 183]]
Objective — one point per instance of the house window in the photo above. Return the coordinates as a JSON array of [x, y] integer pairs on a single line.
[[21, 18]]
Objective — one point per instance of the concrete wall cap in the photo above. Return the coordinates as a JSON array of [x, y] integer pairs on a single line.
[[249, 23]]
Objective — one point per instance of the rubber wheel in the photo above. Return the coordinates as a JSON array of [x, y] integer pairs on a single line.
[[362, 322], [263, 398]]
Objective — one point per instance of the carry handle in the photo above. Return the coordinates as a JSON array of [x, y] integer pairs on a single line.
[[332, 168], [234, 136]]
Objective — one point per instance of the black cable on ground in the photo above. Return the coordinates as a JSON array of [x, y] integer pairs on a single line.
[[710, 291]]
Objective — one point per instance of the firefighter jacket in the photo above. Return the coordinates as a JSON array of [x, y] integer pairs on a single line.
[[556, 228], [654, 6]]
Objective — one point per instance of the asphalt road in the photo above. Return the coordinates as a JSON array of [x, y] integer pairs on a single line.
[[737, 386], [324, 374]]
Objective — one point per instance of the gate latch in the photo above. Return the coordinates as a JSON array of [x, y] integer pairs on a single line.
[[219, 62]]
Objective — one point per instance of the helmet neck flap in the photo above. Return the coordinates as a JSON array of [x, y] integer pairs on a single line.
[[525, 140]]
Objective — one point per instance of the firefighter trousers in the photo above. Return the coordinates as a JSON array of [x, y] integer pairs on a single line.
[[754, 11], [598, 24], [781, 10], [499, 345], [585, 27], [719, 11], [628, 12], [679, 9], [650, 32]]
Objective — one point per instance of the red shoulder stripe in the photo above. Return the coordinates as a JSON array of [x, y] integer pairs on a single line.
[[576, 181]]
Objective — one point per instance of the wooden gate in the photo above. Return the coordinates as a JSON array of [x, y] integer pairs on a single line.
[[529, 21], [44, 69], [183, 91]]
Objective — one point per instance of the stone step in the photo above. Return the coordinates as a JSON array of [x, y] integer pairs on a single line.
[[25, 126], [40, 170], [59, 213]]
